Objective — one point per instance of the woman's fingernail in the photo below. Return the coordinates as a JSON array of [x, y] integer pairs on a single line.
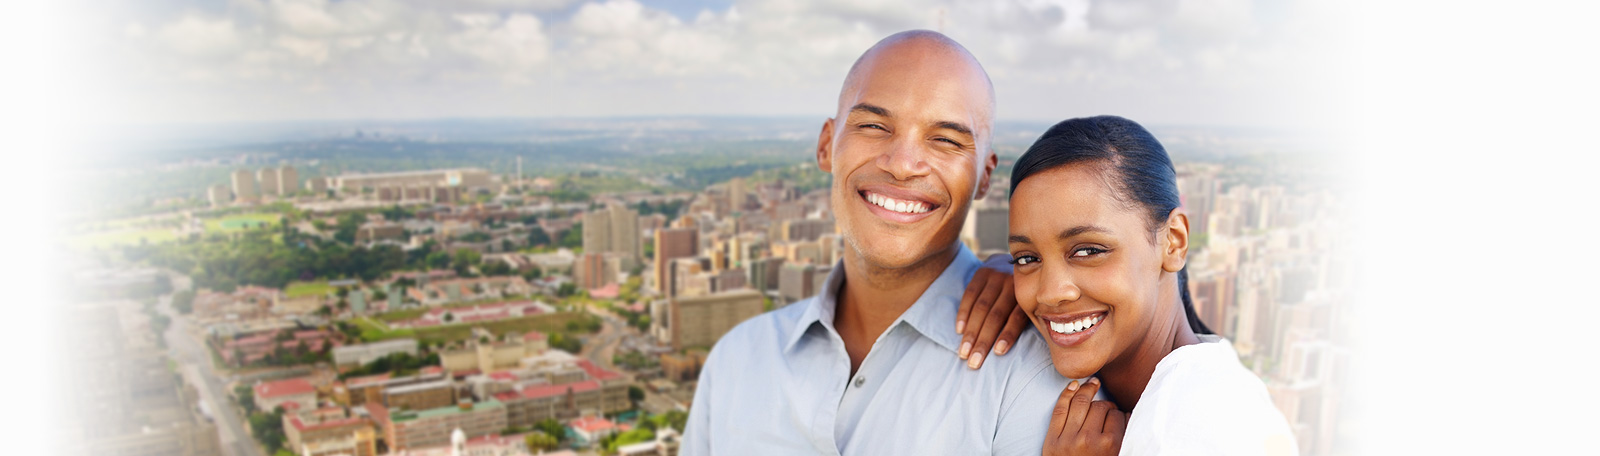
[[975, 361], [1072, 386], [1000, 347], [960, 325], [965, 348], [1094, 380]]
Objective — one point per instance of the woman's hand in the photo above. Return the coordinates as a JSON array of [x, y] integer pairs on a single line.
[[1081, 425], [989, 316]]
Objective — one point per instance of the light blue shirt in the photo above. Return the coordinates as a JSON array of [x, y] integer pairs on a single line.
[[780, 383]]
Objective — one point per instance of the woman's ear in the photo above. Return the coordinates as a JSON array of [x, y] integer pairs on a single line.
[[1175, 248]]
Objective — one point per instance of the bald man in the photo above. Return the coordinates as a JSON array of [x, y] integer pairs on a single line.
[[868, 366]]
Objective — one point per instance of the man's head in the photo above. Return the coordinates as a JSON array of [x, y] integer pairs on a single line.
[[909, 148]]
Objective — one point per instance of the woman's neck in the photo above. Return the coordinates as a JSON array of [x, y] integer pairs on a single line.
[[1126, 376]]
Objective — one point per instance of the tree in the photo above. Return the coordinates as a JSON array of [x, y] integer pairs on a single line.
[[437, 260], [465, 259], [574, 237], [635, 395], [539, 442], [448, 317], [552, 428], [537, 237], [183, 301], [495, 268]]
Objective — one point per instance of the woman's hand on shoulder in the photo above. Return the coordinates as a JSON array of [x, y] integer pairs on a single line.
[[1080, 425], [989, 315]]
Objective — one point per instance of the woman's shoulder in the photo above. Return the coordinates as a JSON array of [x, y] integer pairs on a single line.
[[1200, 396]]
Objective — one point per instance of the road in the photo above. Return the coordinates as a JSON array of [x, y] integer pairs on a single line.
[[603, 345], [198, 370]]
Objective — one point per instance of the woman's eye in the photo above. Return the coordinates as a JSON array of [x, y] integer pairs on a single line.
[[1024, 260], [1087, 252]]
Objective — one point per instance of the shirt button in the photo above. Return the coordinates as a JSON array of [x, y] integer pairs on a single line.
[[860, 381]]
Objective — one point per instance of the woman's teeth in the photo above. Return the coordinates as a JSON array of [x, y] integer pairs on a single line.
[[904, 207], [1078, 325]]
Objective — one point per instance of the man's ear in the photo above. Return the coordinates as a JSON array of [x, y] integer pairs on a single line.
[[825, 147], [983, 176], [1175, 252]]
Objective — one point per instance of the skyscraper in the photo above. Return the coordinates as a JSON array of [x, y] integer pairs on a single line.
[[288, 180], [244, 185], [673, 243], [268, 181], [613, 230]]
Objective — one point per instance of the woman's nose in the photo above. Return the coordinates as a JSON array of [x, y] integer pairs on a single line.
[[1057, 287]]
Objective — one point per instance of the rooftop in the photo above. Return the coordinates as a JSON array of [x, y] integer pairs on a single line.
[[281, 388], [444, 411]]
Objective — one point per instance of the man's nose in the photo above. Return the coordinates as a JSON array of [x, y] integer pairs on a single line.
[[905, 159]]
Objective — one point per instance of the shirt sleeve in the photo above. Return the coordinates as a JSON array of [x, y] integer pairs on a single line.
[[1025, 419], [697, 432]]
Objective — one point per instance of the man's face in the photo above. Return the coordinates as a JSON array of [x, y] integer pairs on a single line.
[[908, 151]]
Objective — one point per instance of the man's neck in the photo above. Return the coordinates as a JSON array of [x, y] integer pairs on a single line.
[[872, 297]]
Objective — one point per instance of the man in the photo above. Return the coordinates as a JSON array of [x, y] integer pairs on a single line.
[[866, 367]]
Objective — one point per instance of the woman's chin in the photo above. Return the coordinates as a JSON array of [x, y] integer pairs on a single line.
[[1074, 368]]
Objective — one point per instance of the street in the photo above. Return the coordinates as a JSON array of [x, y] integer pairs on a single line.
[[197, 370]]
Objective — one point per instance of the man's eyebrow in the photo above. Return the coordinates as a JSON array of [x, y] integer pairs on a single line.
[[870, 108], [957, 126]]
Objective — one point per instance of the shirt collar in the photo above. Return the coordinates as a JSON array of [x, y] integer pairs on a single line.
[[933, 315]]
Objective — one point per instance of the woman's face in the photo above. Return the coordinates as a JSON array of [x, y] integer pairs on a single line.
[[1089, 267]]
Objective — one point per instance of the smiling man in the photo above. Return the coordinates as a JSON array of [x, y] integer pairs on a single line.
[[868, 367]]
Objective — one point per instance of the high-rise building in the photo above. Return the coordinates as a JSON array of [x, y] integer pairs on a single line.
[[267, 179], [317, 185], [796, 281], [218, 195], [699, 321], [671, 244], [985, 231], [595, 270], [288, 180], [613, 230], [244, 185]]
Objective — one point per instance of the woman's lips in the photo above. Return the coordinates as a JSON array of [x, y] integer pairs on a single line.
[[1070, 330]]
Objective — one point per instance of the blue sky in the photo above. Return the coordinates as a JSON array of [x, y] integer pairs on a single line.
[[1191, 62]]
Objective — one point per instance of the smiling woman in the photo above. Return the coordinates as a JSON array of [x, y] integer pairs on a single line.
[[1100, 242]]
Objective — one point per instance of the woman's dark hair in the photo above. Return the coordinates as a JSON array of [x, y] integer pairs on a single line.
[[1137, 164]]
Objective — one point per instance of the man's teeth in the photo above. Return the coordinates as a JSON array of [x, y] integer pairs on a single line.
[[1075, 326], [904, 207]]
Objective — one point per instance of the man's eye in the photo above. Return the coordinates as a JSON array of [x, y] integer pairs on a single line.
[[880, 127], [1024, 260], [1087, 252], [948, 140]]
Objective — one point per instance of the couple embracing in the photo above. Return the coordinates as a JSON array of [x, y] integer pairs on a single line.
[[1115, 359]]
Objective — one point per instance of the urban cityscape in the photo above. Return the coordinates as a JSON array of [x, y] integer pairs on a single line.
[[384, 290]]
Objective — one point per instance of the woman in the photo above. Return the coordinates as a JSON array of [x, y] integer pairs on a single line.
[[1099, 242]]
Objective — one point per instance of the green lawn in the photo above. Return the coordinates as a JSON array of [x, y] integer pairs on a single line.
[[299, 289], [242, 221], [372, 331]]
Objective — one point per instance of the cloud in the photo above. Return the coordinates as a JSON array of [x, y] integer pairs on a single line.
[[200, 37], [1172, 58]]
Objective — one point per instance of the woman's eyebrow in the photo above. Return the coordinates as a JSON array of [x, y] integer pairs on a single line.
[[1080, 229], [1019, 239]]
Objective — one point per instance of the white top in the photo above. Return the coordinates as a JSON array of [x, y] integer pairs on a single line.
[[1202, 401]]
